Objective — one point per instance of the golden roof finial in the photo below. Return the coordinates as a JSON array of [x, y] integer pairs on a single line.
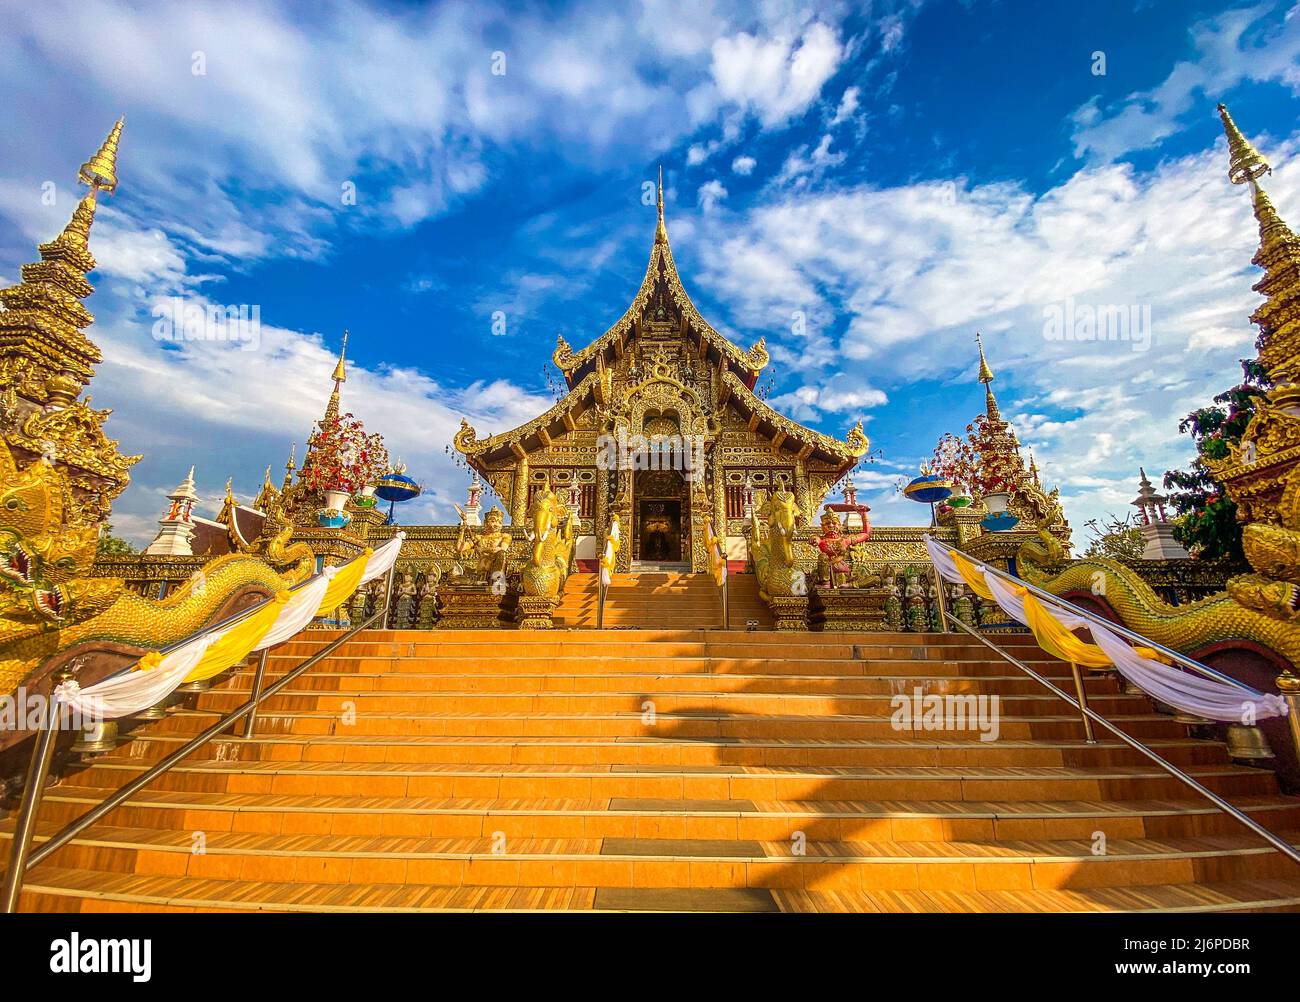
[[661, 231], [986, 377], [1244, 161], [340, 372], [288, 469], [986, 374], [100, 171]]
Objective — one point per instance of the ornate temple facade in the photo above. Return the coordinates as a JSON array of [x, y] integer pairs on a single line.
[[661, 427]]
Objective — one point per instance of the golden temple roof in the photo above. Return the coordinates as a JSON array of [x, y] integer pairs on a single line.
[[661, 267]]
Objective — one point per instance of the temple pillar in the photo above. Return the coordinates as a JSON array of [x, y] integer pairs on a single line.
[[719, 496], [600, 517], [519, 492], [801, 496]]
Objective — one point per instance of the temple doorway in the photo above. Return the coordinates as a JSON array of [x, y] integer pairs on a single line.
[[659, 531], [660, 510]]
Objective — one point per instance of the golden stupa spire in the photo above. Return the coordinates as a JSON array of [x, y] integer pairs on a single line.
[[100, 171], [1244, 161], [1279, 255], [986, 377], [289, 468], [340, 377], [43, 317], [340, 373]]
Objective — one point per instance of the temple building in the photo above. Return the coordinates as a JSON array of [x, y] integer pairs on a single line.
[[661, 427]]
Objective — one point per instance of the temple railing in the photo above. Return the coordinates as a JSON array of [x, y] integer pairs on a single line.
[[1090, 718]]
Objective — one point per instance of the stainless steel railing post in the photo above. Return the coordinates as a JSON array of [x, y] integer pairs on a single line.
[[38, 772], [1277, 843], [258, 677]]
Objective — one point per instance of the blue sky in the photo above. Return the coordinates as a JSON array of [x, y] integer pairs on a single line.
[[897, 174]]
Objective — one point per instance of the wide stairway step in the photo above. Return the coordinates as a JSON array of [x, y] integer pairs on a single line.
[[686, 769]]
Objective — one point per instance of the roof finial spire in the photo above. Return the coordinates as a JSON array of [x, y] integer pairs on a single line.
[[340, 371], [1244, 161], [340, 377], [986, 377], [986, 374], [289, 468], [661, 232], [100, 171]]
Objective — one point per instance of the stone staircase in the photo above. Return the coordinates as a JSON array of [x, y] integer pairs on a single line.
[[669, 770], [649, 600]]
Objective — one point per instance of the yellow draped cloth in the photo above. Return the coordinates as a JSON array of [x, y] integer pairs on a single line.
[[609, 555], [1048, 631], [240, 640], [344, 583], [235, 644], [972, 575], [717, 558]]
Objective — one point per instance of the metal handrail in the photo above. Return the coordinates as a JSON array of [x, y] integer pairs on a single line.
[[1281, 846], [21, 860]]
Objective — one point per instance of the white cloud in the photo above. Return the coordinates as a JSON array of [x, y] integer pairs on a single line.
[[848, 106], [776, 77], [191, 414], [1247, 44], [802, 168], [743, 165], [898, 280], [710, 194]]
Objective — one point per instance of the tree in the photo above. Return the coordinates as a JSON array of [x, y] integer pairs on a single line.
[[1207, 518], [112, 546], [1119, 539]]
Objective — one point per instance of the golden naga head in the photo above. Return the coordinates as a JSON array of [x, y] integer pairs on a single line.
[[857, 440], [465, 438], [43, 558]]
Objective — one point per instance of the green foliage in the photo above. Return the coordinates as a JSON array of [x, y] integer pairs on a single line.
[[112, 546], [1119, 539], [1206, 521]]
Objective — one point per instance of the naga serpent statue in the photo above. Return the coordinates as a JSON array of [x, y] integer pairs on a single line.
[[551, 534], [774, 561], [1257, 608], [52, 611]]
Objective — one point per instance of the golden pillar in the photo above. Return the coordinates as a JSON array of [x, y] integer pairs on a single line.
[[801, 496], [600, 517], [519, 492], [719, 496]]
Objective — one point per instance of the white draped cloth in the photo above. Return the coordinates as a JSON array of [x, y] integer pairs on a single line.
[[383, 558], [1183, 690], [122, 695]]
